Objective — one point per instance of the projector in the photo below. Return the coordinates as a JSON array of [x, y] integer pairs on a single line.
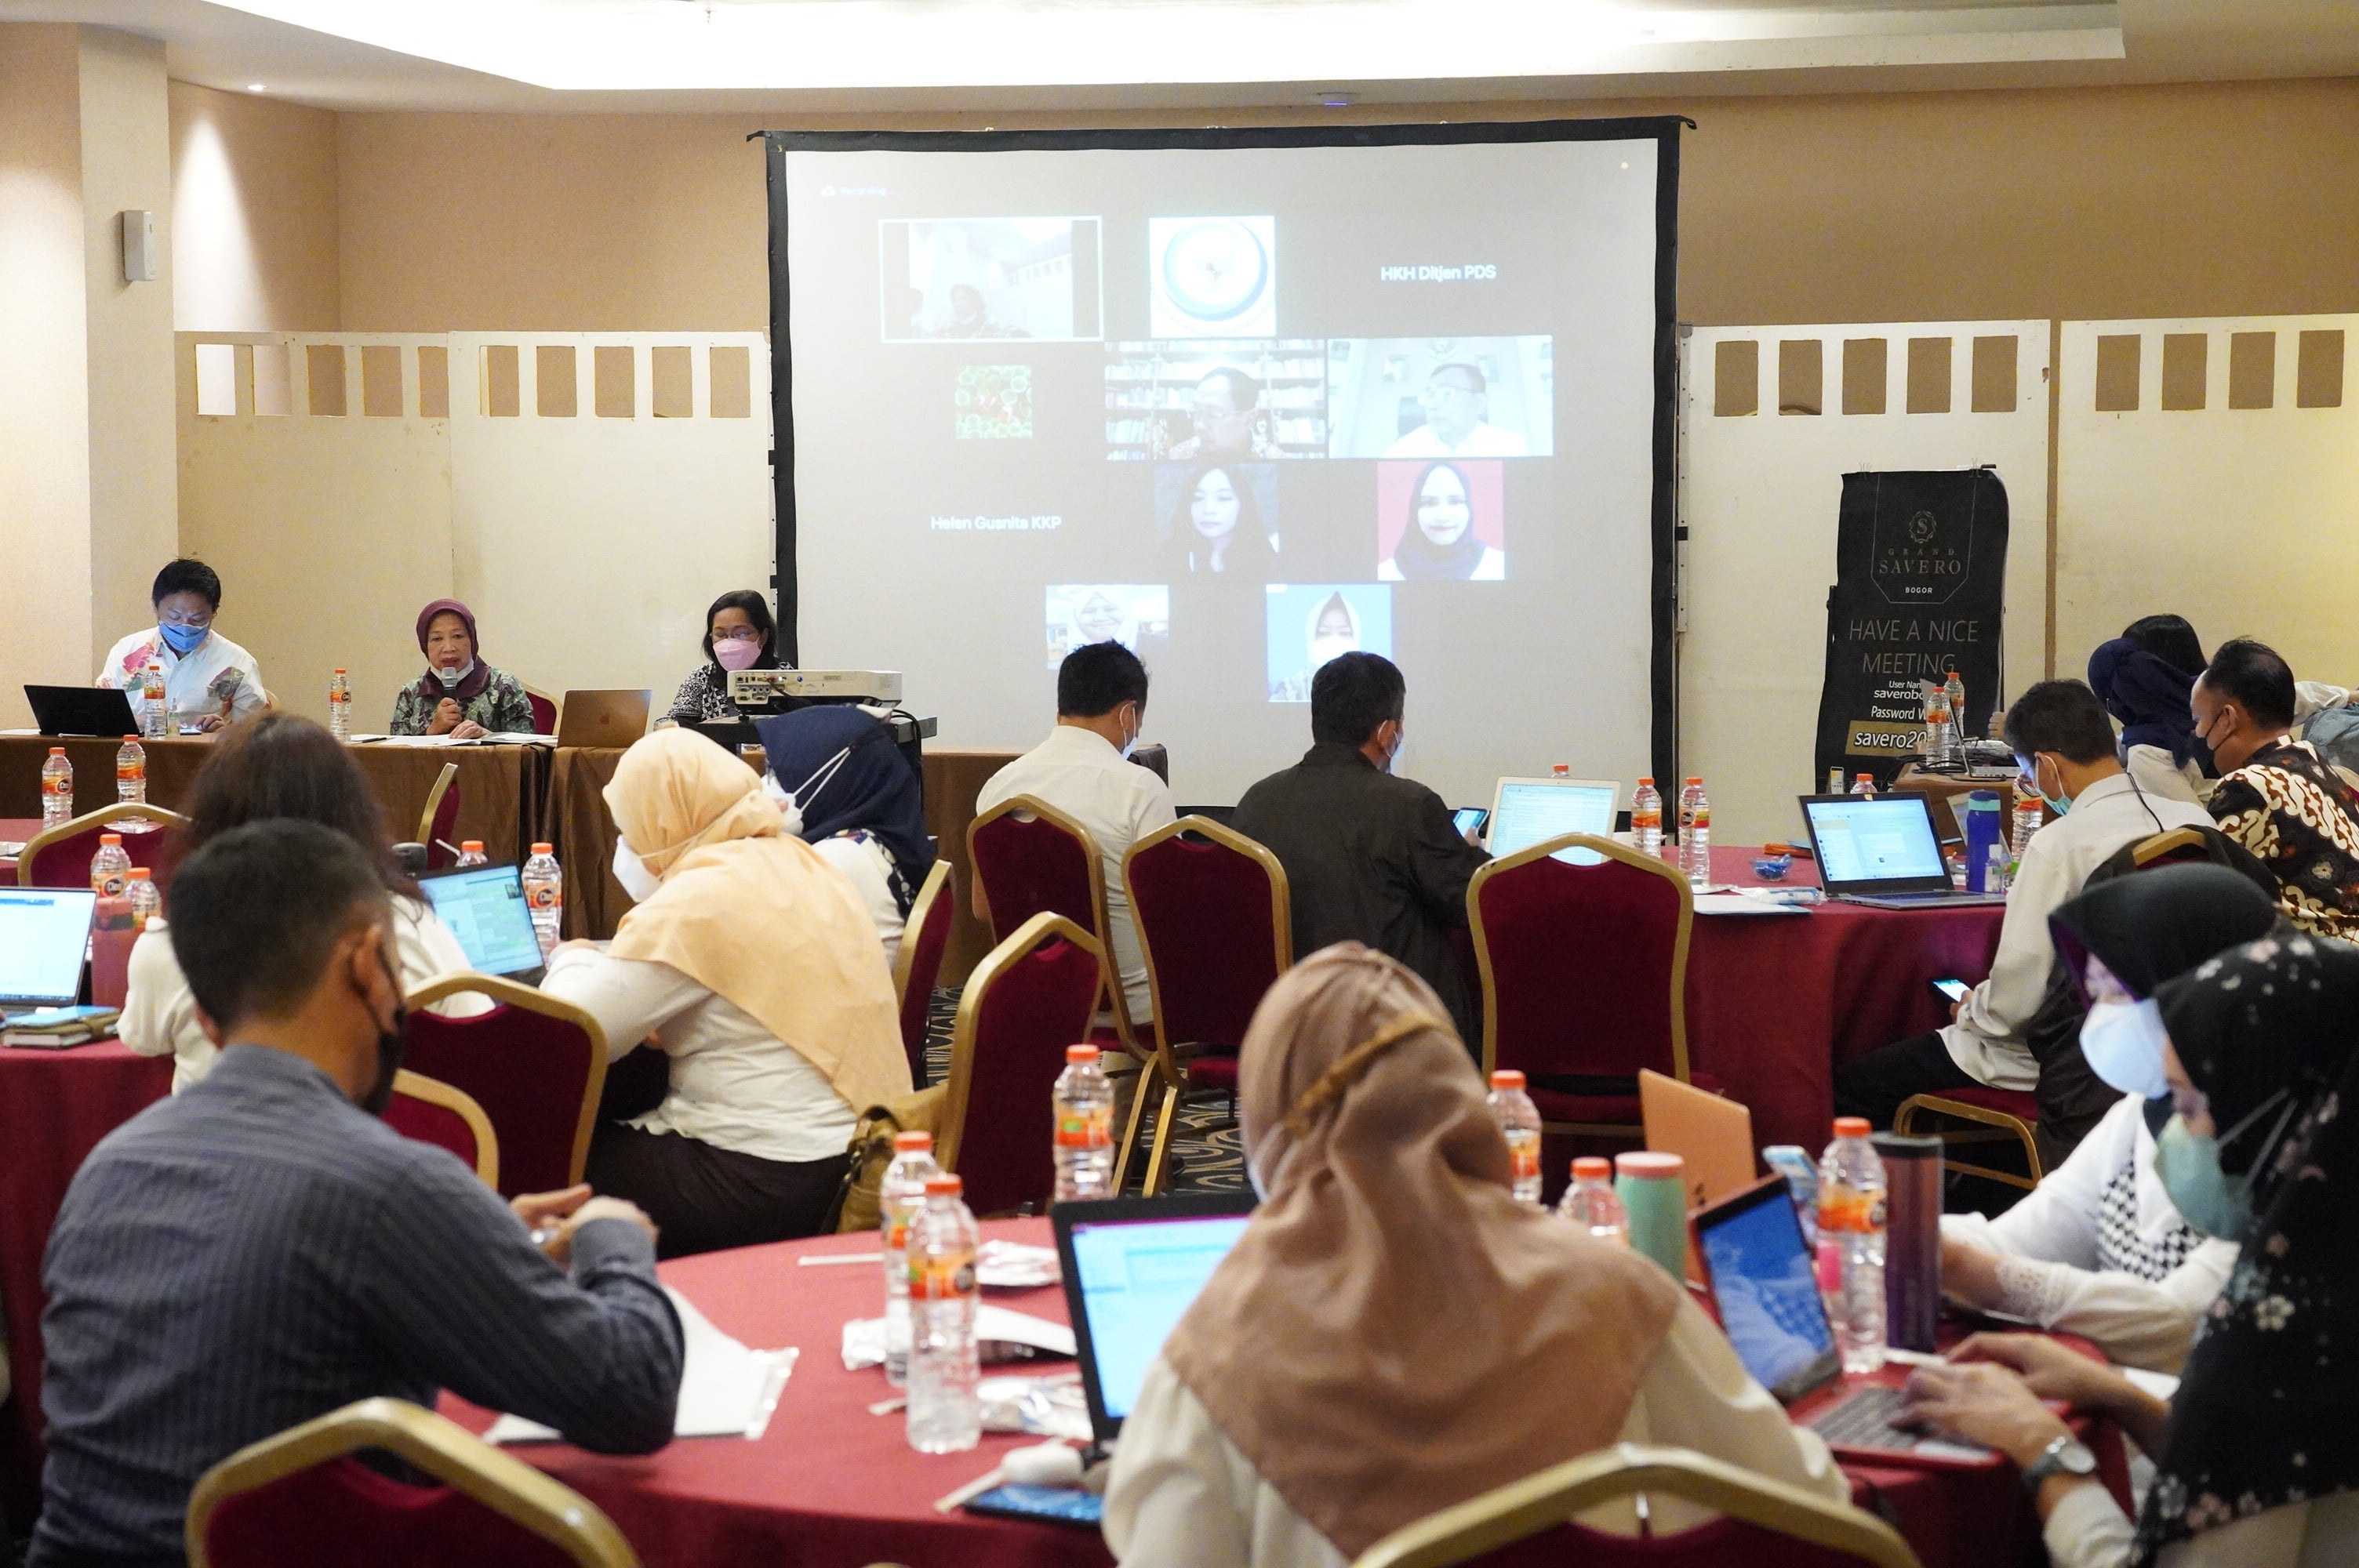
[[752, 688]]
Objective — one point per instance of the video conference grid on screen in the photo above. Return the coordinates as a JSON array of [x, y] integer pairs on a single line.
[[1308, 400]]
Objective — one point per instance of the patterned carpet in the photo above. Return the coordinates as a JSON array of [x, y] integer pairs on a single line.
[[1209, 1157]]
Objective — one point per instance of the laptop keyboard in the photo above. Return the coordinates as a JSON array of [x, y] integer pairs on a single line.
[[1864, 1420]]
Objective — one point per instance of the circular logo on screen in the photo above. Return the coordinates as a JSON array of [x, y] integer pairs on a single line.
[[1216, 270]]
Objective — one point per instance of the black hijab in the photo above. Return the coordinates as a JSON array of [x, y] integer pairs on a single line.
[[2151, 925], [2263, 1417], [2150, 696], [1418, 556], [874, 789]]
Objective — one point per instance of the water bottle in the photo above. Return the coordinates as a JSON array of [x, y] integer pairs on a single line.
[[57, 788], [1083, 1109], [1998, 875], [151, 700], [1561, 771], [110, 869], [1864, 785], [1695, 833], [2028, 816], [131, 773], [544, 896], [144, 898], [1938, 729], [900, 1193], [471, 853], [1792, 1162], [945, 1416], [340, 705], [1851, 1244], [1590, 1202], [1954, 689], [1519, 1124], [1647, 818]]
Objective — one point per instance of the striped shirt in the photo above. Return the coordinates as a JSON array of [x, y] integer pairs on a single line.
[[258, 1251]]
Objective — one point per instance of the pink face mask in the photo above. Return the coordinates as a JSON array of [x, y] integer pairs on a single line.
[[736, 653]]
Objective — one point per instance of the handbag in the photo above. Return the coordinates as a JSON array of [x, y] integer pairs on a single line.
[[858, 1205]]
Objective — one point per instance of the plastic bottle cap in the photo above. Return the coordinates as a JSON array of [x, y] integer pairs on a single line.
[[56, 750], [114, 839], [911, 1143], [1852, 1127], [131, 737], [944, 1185], [471, 845], [1648, 1165], [1645, 778], [1082, 1055], [1592, 1167], [1507, 1078], [541, 850], [1695, 778], [138, 870], [1857, 777], [340, 670]]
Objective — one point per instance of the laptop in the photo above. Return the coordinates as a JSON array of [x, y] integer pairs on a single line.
[[1133, 1266], [1881, 851], [1712, 1134], [1758, 1270], [1525, 811], [602, 717], [99, 711], [484, 908], [44, 934]]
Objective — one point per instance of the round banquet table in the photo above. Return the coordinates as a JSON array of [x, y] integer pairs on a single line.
[[829, 1485], [55, 1106], [16, 831], [1774, 1002]]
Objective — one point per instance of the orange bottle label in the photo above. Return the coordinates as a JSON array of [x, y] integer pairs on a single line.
[[940, 1278], [1090, 1130], [1523, 1154]]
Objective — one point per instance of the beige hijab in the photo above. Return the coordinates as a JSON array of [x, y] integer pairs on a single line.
[[1393, 1333], [752, 913]]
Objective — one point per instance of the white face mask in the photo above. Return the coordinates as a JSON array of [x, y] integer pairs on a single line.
[[1325, 648], [784, 799], [2124, 1043], [633, 873], [1131, 744], [451, 679]]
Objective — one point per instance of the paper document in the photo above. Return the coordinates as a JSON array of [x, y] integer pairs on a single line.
[[726, 1390], [1738, 904], [864, 1337]]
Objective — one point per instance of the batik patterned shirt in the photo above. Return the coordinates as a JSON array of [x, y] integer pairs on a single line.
[[2292, 810]]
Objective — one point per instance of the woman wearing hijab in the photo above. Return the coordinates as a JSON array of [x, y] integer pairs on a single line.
[[845, 790], [2255, 1463], [2098, 1248], [459, 696], [1218, 526], [2139, 680], [1325, 1387], [750, 965], [739, 634], [1440, 542], [1334, 629]]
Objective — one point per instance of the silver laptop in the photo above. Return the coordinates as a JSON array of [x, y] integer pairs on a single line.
[[44, 933], [1525, 811], [1881, 851]]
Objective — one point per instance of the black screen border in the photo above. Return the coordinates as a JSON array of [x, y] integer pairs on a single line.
[[1663, 130]]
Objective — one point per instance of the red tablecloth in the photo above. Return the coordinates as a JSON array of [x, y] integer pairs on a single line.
[[54, 1108], [1774, 1002], [829, 1485]]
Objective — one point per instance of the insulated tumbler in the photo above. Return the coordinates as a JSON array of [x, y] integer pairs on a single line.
[[1653, 1188], [1912, 1238]]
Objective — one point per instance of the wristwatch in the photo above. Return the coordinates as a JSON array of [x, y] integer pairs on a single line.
[[2067, 1455]]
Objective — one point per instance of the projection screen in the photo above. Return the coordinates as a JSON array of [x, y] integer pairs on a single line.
[[1242, 400]]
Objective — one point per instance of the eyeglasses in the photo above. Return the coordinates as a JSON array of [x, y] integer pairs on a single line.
[[739, 634], [1434, 390]]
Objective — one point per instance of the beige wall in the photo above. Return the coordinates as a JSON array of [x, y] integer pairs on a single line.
[[254, 198], [44, 393]]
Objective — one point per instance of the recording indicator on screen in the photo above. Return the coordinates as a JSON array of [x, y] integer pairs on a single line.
[[1445, 520], [966, 279], [1136, 615], [1311, 624], [1442, 397], [1206, 400], [1213, 277]]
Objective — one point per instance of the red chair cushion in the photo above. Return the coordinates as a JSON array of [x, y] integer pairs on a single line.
[[427, 1122], [1212, 1071], [342, 1514], [544, 713], [66, 864], [1204, 912], [1030, 1011], [529, 1072], [1028, 867], [445, 832], [1581, 965], [2017, 1103]]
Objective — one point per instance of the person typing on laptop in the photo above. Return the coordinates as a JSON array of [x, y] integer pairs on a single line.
[[2063, 745]]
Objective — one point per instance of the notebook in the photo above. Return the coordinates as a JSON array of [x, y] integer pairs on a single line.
[[484, 908], [1133, 1266]]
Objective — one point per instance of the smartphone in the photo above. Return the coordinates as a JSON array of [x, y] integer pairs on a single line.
[[1952, 991], [1469, 820], [1058, 1504]]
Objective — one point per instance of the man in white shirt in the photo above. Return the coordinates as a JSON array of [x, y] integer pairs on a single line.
[[1457, 399], [1083, 769], [2064, 747], [208, 679]]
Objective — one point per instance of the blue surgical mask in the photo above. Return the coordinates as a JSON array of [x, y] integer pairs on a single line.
[[2124, 1043], [2206, 1197], [183, 640], [2057, 806]]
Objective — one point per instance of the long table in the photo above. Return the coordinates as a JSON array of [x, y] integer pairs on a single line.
[[828, 1485]]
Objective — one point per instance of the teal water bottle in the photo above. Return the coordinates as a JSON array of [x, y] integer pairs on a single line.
[[1654, 1191]]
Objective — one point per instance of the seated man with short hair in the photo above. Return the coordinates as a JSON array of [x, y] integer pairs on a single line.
[[263, 1249], [2064, 744], [1368, 856], [2277, 796]]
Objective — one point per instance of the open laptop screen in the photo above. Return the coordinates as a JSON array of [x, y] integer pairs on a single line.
[[484, 908], [1137, 1277], [1865, 840], [1529, 810], [43, 935], [1766, 1292]]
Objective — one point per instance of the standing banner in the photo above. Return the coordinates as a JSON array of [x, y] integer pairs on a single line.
[[1920, 580]]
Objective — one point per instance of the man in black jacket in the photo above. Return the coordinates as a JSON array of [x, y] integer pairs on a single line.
[[1368, 856]]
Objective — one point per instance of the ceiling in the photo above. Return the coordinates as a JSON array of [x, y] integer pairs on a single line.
[[863, 56]]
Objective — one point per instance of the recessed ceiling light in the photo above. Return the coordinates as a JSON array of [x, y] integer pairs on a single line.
[[254, 87]]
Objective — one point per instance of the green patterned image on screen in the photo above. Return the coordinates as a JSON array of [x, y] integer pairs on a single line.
[[993, 403]]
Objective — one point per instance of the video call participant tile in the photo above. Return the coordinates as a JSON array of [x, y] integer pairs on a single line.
[[1218, 518], [1136, 615], [1202, 400], [1441, 398], [968, 279], [1311, 624], [1443, 521]]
